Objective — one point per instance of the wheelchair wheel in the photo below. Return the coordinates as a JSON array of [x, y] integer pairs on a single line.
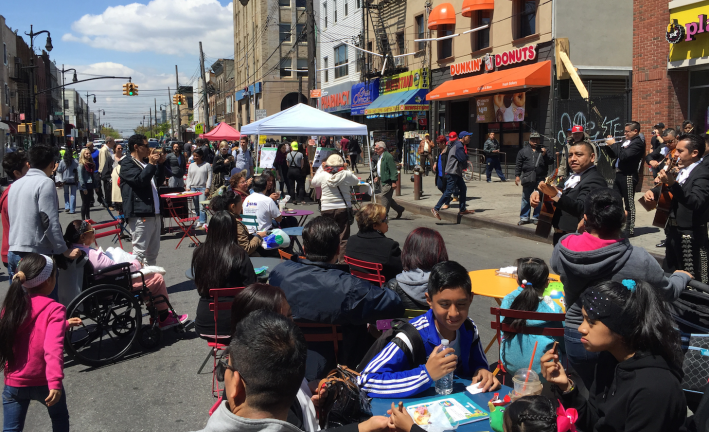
[[110, 323], [150, 336]]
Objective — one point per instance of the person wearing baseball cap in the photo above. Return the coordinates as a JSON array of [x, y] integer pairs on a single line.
[[577, 133], [457, 159], [531, 168], [657, 132], [492, 158], [387, 176]]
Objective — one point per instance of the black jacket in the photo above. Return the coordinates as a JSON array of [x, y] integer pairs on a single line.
[[375, 247], [107, 169], [655, 154], [324, 293], [570, 208], [406, 300], [690, 201], [136, 190], [173, 167], [208, 154], [642, 393], [221, 166], [629, 157], [528, 160]]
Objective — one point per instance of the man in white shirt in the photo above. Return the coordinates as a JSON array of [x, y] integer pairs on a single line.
[[199, 178], [262, 206]]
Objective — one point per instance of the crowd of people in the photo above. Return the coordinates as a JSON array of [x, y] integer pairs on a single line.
[[619, 364]]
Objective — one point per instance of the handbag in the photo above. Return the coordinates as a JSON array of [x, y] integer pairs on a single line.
[[344, 403], [350, 211], [531, 176]]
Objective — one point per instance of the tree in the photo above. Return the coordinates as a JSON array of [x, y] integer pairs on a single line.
[[110, 132]]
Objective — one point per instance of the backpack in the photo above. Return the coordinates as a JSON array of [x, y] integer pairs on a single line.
[[416, 358]]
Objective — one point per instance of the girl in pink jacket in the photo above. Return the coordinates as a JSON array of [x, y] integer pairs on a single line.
[[32, 330]]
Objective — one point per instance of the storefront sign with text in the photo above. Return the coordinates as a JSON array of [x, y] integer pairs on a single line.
[[506, 58], [337, 100]]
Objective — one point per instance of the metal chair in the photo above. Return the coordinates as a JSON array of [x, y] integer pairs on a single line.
[[185, 224], [374, 267]]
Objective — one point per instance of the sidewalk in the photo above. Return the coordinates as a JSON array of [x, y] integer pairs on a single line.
[[497, 206]]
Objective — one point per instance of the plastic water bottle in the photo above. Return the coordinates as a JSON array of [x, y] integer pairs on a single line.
[[444, 386]]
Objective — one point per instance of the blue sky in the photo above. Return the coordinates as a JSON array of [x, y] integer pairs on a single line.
[[144, 39]]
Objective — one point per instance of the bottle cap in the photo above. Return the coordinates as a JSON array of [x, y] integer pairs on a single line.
[[444, 342]]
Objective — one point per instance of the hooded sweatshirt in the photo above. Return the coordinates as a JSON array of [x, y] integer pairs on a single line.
[[582, 260], [642, 393], [414, 283], [335, 187], [224, 420], [38, 349]]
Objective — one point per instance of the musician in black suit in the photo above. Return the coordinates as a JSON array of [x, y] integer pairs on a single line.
[[629, 155], [658, 154], [686, 230], [570, 200]]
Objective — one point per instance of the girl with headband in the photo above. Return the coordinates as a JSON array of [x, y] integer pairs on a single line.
[[32, 329], [637, 378]]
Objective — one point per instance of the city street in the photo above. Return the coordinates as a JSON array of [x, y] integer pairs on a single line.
[[161, 391]]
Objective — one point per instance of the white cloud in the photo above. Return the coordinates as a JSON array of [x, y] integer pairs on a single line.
[[172, 27]]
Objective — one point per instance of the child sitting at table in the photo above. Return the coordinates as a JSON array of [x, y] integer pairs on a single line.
[[389, 374], [515, 349]]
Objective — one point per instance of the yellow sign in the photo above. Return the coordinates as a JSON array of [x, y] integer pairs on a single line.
[[689, 34], [416, 79], [198, 128], [262, 139]]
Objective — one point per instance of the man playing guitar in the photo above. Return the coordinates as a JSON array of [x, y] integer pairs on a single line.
[[570, 200], [686, 229]]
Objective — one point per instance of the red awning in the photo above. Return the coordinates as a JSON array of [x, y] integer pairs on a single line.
[[443, 14], [469, 6], [222, 132], [522, 77]]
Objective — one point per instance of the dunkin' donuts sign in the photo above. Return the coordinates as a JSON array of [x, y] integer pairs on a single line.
[[491, 61]]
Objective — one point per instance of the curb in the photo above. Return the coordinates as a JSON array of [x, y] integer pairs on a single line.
[[475, 221]]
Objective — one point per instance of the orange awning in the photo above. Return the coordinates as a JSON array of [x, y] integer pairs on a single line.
[[469, 6], [522, 77], [442, 14]]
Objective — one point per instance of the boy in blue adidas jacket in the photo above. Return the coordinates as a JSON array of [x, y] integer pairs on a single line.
[[389, 374]]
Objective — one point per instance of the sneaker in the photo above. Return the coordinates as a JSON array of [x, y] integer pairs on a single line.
[[489, 181], [522, 222], [661, 244], [435, 214], [172, 320], [398, 214]]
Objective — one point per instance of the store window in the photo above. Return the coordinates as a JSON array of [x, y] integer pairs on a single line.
[[284, 30], [445, 47], [302, 67], [699, 100], [325, 66], [527, 18], [284, 3], [481, 38], [324, 12], [341, 69], [420, 32], [285, 64]]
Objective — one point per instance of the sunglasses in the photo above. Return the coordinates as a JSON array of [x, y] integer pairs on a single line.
[[386, 219], [222, 367]]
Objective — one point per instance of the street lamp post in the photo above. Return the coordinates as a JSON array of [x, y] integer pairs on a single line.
[[88, 119], [74, 79], [48, 47]]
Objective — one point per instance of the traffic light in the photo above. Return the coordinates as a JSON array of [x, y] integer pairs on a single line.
[[175, 99], [183, 99], [180, 99], [135, 90], [125, 89]]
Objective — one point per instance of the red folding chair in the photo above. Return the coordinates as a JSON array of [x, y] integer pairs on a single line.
[[215, 342], [529, 330], [334, 336], [366, 265], [106, 229], [185, 224]]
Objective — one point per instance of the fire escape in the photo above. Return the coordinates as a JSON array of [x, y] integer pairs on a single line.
[[383, 65]]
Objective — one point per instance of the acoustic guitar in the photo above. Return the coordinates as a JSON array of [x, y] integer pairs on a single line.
[[546, 214], [662, 204]]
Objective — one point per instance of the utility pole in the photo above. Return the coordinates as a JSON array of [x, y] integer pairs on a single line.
[[156, 113], [150, 120], [253, 48], [172, 120], [248, 77], [205, 97], [179, 119], [310, 28]]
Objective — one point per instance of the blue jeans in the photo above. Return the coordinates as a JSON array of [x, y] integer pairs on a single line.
[[453, 181], [526, 206], [581, 361], [13, 260], [16, 401], [70, 198], [441, 185], [493, 162], [199, 209]]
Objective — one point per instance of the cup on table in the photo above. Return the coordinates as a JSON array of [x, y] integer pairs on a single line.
[[532, 386]]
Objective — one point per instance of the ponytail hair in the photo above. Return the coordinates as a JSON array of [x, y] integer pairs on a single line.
[[72, 234], [533, 278], [640, 316], [16, 306]]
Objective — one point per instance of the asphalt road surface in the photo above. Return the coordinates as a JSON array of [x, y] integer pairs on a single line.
[[160, 390]]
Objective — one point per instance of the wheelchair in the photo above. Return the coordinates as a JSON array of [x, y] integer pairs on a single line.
[[112, 320]]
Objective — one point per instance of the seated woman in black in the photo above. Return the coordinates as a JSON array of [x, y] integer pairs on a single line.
[[637, 384], [423, 248], [370, 244], [219, 262]]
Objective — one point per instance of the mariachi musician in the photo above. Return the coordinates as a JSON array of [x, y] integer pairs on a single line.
[[686, 229], [629, 154], [570, 200]]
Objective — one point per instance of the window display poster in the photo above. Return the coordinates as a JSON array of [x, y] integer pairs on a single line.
[[268, 156], [503, 108], [321, 155]]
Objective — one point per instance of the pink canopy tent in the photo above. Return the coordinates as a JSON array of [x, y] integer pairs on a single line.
[[222, 132]]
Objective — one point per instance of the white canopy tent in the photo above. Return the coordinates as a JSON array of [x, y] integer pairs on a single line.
[[304, 120]]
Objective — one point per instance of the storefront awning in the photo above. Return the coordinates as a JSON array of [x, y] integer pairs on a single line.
[[443, 14], [409, 100], [528, 76], [470, 6]]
